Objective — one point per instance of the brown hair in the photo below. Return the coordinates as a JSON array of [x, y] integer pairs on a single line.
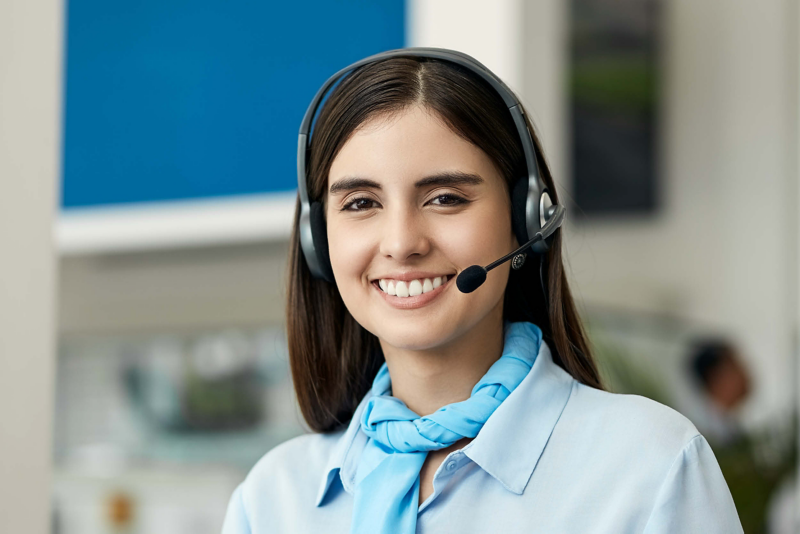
[[333, 359]]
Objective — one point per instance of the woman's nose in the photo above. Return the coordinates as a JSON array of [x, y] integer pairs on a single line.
[[404, 235]]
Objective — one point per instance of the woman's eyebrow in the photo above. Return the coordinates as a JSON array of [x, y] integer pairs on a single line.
[[444, 178]]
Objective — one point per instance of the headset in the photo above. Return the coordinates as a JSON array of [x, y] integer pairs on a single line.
[[534, 216]]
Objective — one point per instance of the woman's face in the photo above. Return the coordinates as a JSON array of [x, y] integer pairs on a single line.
[[411, 204]]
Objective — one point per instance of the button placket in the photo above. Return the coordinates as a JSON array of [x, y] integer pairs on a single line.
[[452, 462], [449, 466]]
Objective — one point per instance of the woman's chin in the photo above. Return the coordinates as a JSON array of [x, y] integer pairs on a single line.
[[415, 337]]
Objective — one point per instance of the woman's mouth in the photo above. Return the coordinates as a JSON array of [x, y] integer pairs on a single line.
[[405, 294]]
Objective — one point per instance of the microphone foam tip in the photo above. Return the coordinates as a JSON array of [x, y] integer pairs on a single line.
[[471, 279]]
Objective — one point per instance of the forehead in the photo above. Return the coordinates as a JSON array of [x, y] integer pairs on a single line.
[[405, 146]]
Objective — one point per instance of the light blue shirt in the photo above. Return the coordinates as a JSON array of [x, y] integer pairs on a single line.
[[556, 456]]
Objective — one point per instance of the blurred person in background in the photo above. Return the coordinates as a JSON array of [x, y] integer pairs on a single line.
[[725, 383], [437, 405], [759, 466]]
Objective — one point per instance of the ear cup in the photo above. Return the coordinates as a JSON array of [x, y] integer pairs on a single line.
[[519, 195], [544, 210], [519, 199], [319, 233]]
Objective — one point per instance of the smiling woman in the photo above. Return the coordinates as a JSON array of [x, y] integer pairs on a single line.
[[420, 218], [433, 409]]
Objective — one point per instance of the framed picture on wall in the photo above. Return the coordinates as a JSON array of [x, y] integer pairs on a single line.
[[613, 81]]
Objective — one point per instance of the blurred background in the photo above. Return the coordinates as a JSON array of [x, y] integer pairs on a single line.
[[147, 185]]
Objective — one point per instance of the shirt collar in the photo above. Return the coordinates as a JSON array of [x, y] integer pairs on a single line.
[[510, 456], [512, 440]]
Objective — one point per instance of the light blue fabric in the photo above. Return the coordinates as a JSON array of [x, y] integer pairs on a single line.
[[387, 494], [555, 456]]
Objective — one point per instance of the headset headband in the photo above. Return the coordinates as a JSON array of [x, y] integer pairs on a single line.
[[452, 56]]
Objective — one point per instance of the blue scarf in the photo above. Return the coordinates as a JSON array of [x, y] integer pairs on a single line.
[[387, 495]]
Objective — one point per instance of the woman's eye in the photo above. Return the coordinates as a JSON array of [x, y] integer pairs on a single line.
[[447, 200], [359, 204]]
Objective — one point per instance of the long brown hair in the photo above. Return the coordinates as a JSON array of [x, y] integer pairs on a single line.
[[333, 359]]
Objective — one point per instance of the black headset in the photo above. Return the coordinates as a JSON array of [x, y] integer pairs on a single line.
[[531, 204]]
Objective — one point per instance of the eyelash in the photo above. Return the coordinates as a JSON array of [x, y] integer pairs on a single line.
[[456, 200]]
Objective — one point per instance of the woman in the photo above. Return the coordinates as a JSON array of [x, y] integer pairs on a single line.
[[437, 405]]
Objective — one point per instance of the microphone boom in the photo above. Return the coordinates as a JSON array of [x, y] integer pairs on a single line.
[[474, 276]]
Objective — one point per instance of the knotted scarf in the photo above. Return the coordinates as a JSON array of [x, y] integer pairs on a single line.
[[387, 484]]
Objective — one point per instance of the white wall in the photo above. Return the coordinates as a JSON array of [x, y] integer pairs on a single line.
[[173, 290], [485, 30], [30, 91], [723, 250]]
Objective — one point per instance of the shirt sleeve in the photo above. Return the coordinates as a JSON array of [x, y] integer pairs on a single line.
[[236, 518], [694, 497]]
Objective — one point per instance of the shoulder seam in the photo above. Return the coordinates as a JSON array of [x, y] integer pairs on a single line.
[[661, 487]]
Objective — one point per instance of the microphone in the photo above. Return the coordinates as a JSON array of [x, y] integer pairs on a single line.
[[472, 277]]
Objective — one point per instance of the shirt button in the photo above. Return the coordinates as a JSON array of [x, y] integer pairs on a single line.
[[451, 465]]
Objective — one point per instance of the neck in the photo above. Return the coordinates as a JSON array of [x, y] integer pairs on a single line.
[[426, 380]]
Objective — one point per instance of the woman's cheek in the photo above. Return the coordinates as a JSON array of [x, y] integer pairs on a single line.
[[479, 240], [349, 251]]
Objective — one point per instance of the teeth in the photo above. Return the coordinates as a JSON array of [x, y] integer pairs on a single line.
[[401, 288], [411, 288], [414, 288]]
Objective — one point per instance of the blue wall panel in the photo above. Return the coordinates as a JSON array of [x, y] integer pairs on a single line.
[[175, 99]]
